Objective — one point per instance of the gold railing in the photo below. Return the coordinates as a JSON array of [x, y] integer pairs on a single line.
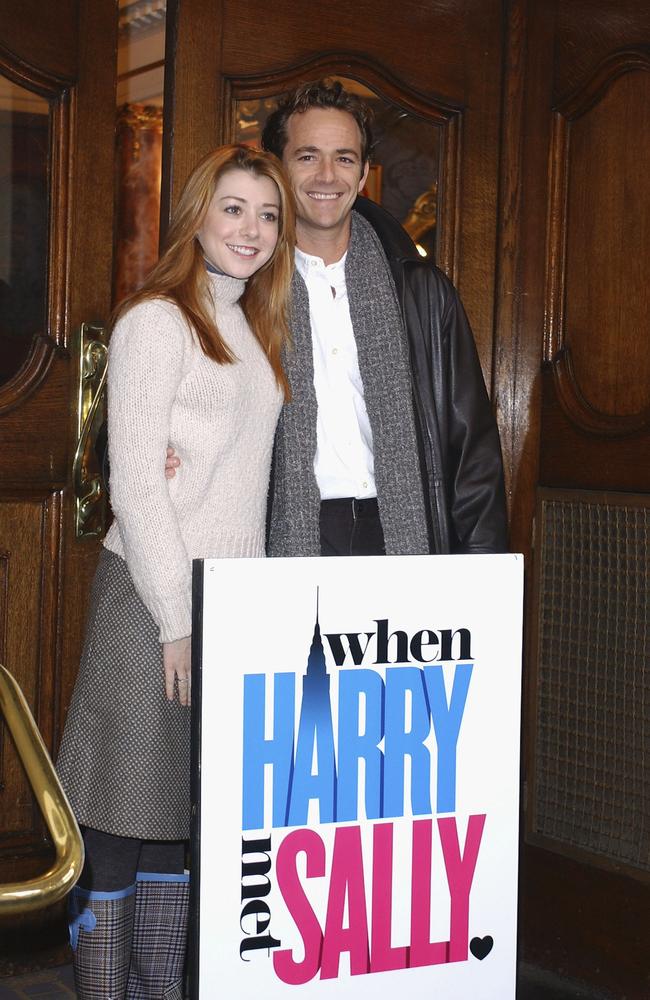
[[58, 880]]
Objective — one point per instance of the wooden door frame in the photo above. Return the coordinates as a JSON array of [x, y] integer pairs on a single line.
[[68, 51]]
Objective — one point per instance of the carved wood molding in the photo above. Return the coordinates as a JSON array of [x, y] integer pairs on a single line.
[[556, 351], [435, 110], [556, 240], [28, 378], [607, 72], [358, 67], [581, 412], [59, 92], [24, 74], [628, 61]]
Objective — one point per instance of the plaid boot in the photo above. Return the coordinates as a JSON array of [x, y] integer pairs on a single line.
[[101, 929], [159, 937]]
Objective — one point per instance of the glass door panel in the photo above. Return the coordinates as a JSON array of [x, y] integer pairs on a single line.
[[24, 171], [405, 164]]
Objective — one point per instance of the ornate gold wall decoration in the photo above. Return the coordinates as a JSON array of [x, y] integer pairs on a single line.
[[138, 169]]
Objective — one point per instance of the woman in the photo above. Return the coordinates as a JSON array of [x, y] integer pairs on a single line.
[[195, 363]]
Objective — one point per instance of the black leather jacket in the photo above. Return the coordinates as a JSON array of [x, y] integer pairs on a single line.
[[460, 453]]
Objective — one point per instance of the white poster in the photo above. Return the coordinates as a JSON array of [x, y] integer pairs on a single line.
[[357, 777]]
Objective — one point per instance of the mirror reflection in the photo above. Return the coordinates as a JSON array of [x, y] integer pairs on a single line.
[[24, 158], [404, 172]]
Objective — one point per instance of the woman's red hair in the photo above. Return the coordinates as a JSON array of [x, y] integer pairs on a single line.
[[181, 277]]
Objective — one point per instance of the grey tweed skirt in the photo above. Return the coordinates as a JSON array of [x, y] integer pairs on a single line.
[[124, 760]]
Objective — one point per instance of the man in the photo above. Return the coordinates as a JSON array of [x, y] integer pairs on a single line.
[[389, 444]]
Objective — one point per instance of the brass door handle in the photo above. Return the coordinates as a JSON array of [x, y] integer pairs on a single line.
[[89, 491], [58, 880]]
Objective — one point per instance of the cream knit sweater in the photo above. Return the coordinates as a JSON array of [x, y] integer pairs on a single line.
[[220, 420]]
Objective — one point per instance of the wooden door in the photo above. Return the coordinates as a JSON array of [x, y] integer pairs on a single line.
[[57, 115], [542, 203], [572, 381]]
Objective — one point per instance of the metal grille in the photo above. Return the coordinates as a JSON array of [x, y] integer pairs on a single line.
[[592, 782]]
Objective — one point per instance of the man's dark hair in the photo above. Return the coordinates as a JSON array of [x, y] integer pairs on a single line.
[[317, 94]]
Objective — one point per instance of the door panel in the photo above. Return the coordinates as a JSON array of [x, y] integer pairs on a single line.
[[573, 398], [58, 59], [219, 53]]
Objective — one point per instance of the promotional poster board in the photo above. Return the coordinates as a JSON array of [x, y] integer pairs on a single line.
[[356, 777]]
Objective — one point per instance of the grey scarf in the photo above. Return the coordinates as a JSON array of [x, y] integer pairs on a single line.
[[383, 363]]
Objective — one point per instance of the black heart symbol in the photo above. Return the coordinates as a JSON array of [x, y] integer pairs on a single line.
[[481, 947]]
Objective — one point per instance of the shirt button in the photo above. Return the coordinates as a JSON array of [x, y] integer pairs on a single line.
[[335, 350], [365, 485]]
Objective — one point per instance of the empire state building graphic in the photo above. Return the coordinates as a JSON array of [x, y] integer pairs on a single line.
[[316, 682], [314, 775]]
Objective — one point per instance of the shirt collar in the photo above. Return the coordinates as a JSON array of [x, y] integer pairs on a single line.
[[305, 262]]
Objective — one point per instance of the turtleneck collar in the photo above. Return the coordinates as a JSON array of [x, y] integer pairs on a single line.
[[224, 288]]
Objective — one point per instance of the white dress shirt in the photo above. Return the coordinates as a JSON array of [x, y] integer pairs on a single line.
[[344, 463]]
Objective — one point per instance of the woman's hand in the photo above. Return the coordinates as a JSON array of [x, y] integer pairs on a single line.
[[177, 662], [172, 463]]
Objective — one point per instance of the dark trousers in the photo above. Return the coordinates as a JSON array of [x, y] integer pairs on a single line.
[[350, 527]]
